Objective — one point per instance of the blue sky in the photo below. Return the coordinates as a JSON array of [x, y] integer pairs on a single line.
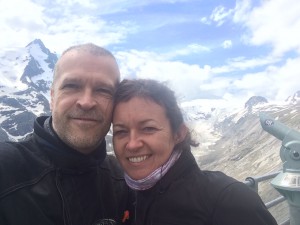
[[228, 50]]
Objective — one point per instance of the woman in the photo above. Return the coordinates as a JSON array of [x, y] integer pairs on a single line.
[[152, 144]]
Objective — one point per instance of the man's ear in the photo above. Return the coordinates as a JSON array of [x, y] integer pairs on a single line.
[[51, 98], [181, 133]]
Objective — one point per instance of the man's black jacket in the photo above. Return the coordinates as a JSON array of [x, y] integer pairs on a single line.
[[44, 182]]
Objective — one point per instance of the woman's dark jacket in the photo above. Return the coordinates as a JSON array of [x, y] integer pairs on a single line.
[[188, 196], [44, 182]]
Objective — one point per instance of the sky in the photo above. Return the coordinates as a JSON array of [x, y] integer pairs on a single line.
[[227, 50]]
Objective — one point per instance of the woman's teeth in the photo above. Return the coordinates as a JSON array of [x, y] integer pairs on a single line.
[[138, 159]]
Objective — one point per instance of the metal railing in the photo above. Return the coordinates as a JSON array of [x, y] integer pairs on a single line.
[[253, 183]]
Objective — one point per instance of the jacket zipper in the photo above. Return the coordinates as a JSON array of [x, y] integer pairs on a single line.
[[135, 206], [66, 215]]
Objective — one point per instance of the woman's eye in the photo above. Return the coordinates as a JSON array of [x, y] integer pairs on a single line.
[[149, 129], [119, 132]]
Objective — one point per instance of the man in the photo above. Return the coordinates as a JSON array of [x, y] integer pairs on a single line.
[[61, 174]]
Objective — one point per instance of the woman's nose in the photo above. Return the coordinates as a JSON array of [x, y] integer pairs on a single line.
[[134, 143]]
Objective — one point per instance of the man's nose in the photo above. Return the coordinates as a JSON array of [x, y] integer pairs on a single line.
[[86, 100]]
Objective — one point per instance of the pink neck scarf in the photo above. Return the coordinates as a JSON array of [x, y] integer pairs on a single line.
[[155, 176]]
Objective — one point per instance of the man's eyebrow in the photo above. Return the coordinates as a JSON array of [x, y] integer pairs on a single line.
[[71, 79], [96, 84], [103, 84]]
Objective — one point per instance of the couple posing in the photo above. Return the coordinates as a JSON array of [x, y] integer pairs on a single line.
[[61, 174]]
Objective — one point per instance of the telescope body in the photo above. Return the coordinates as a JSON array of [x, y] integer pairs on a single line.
[[286, 182]]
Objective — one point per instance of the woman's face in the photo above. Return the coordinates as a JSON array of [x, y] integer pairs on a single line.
[[142, 136]]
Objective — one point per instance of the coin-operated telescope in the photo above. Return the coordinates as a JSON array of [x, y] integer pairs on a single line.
[[286, 182]]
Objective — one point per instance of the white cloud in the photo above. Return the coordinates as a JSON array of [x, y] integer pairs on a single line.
[[58, 24], [286, 79], [260, 83], [205, 20], [217, 86], [275, 23], [185, 79], [274, 83], [242, 64], [227, 44], [85, 3], [188, 50], [75, 29], [242, 11], [220, 14], [17, 20], [115, 6]]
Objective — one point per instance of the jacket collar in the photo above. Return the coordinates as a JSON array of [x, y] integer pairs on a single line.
[[62, 155], [185, 163]]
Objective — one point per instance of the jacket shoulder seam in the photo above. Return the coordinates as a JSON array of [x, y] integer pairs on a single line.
[[21, 185]]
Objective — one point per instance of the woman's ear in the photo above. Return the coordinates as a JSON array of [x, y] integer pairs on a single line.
[[181, 133]]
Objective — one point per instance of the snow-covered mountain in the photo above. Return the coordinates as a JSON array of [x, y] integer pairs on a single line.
[[233, 141], [25, 75], [213, 120], [295, 98]]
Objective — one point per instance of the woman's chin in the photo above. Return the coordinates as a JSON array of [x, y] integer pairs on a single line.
[[138, 175]]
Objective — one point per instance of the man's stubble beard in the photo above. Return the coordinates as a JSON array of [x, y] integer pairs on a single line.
[[82, 140]]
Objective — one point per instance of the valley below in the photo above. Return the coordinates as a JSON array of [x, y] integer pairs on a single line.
[[239, 147]]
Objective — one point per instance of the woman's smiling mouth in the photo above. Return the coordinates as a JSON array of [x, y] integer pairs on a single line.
[[138, 159]]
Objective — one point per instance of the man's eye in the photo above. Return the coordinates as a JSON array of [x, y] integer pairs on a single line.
[[105, 91]]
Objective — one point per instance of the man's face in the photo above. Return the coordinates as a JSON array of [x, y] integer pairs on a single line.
[[81, 99]]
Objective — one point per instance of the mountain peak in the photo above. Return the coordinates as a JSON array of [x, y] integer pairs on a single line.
[[40, 65], [37, 48], [40, 44], [295, 98], [255, 100], [36, 41]]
